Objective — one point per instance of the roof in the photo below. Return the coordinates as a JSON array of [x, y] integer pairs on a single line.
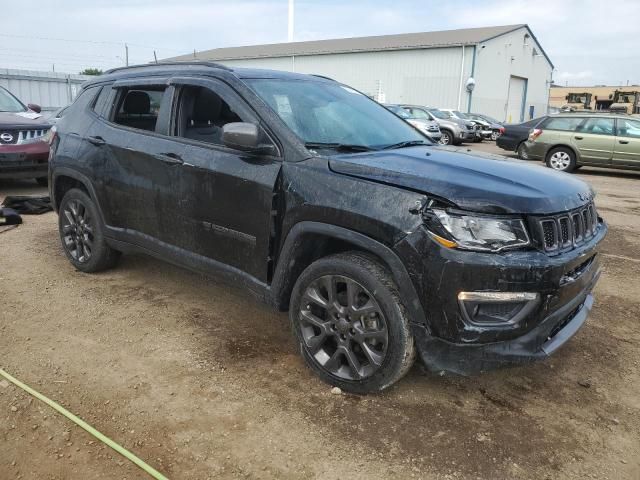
[[195, 67], [404, 41]]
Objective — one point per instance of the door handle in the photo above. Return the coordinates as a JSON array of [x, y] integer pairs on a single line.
[[577, 137], [170, 158], [624, 142], [96, 141]]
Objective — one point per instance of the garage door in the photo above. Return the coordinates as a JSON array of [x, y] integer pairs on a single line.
[[516, 99]]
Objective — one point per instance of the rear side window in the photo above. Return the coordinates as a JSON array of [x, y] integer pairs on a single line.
[[100, 104], [568, 124], [598, 126], [138, 107], [83, 100], [628, 128]]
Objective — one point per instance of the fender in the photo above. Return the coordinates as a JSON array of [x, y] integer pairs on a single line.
[[69, 172], [282, 281]]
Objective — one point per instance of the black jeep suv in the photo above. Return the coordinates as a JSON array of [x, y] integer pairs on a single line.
[[323, 203]]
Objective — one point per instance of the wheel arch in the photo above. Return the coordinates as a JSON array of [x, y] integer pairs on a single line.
[[64, 179], [575, 152], [309, 241]]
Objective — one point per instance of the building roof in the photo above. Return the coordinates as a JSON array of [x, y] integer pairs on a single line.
[[404, 41]]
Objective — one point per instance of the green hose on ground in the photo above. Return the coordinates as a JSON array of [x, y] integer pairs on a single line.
[[81, 423]]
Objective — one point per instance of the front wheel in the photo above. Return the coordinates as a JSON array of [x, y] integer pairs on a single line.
[[561, 159], [81, 233], [351, 326], [494, 135], [447, 138]]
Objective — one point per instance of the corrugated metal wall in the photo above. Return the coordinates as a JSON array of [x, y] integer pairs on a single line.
[[425, 77], [50, 90]]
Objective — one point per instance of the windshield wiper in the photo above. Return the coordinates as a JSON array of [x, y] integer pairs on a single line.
[[408, 143], [344, 147]]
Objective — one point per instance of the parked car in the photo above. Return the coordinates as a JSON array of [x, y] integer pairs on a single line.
[[429, 127], [23, 139], [380, 244], [496, 127], [482, 127], [454, 131], [515, 135], [567, 142]]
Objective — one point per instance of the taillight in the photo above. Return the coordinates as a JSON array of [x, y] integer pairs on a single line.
[[501, 130], [535, 133]]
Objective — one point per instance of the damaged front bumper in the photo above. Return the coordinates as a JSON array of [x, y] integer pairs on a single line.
[[452, 341]]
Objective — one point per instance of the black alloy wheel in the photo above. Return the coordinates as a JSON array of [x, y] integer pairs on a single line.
[[77, 231]]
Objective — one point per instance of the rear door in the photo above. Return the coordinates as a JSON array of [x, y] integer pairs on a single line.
[[227, 195], [594, 139], [626, 150], [514, 111], [136, 162]]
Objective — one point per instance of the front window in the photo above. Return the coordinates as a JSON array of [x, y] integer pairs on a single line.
[[9, 103], [333, 114]]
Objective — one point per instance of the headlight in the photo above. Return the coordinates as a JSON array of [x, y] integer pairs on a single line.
[[480, 233]]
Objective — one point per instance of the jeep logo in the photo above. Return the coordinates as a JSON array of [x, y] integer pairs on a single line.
[[6, 137]]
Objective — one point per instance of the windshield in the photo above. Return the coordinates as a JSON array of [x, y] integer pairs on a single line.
[[489, 119], [331, 113], [9, 103], [440, 114], [401, 112], [421, 114], [460, 114]]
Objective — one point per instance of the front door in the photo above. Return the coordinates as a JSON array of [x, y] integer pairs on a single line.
[[594, 139], [226, 195], [626, 151]]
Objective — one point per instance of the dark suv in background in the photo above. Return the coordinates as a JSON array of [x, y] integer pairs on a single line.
[[379, 243], [23, 140]]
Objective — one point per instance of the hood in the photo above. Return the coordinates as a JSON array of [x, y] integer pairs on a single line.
[[22, 120], [480, 183]]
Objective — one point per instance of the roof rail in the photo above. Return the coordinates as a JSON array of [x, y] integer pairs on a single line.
[[186, 62], [323, 76]]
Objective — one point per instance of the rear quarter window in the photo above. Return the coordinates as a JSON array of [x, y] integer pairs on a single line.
[[567, 124]]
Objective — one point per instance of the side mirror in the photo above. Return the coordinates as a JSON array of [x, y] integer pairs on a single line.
[[244, 136], [36, 108]]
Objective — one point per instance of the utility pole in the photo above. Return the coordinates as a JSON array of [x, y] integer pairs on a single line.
[[290, 35], [53, 66], [126, 54], [155, 57]]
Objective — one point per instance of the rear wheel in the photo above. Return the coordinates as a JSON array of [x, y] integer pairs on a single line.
[[521, 151], [350, 324], [562, 159], [494, 135], [81, 233]]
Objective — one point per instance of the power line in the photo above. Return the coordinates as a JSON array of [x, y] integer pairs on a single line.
[[95, 42]]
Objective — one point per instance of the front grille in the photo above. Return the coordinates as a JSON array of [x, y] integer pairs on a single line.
[[566, 230], [13, 137]]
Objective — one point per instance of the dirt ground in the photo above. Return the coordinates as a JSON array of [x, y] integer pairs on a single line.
[[201, 381]]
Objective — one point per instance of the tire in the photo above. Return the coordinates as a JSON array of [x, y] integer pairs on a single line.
[[478, 139], [361, 346], [43, 181], [561, 159], [447, 138], [522, 152], [494, 135], [82, 233]]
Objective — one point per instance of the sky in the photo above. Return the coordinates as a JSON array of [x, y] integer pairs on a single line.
[[590, 42]]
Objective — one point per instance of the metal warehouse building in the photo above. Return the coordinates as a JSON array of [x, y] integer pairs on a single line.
[[508, 68]]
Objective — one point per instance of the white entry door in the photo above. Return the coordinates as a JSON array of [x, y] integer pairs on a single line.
[[516, 99]]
